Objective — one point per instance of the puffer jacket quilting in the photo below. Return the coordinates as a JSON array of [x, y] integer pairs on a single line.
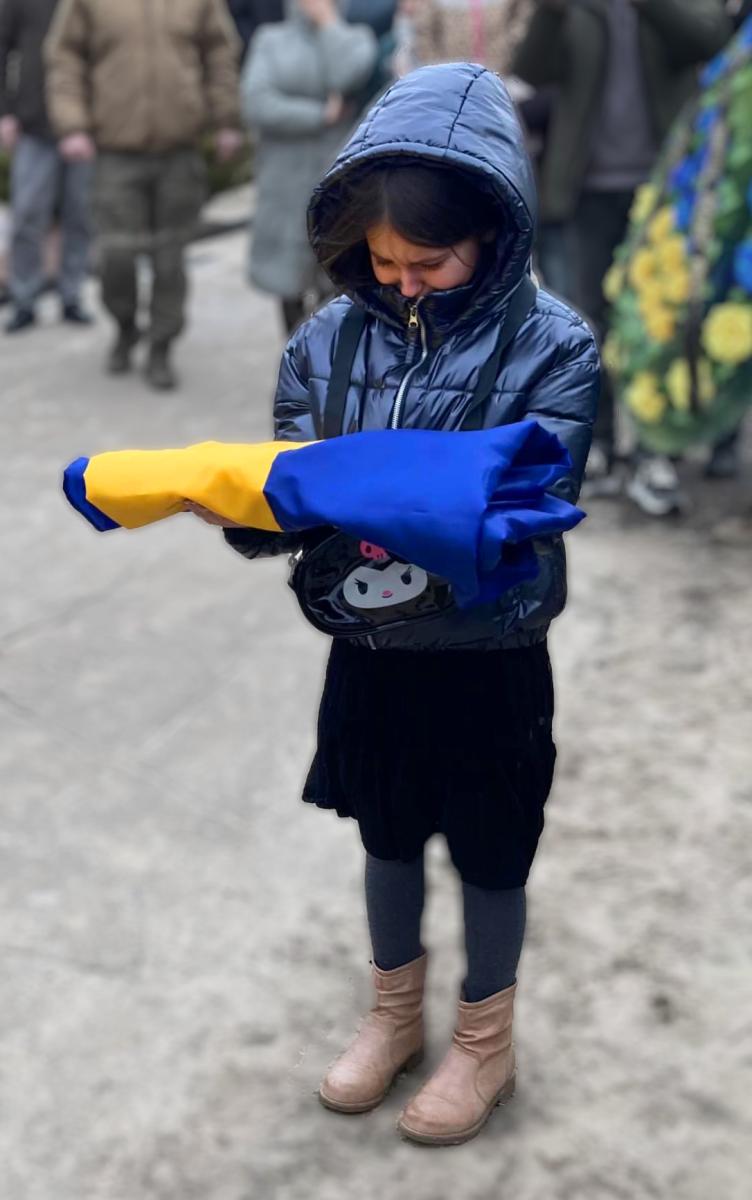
[[458, 115]]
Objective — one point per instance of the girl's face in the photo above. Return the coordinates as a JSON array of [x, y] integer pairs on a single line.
[[418, 270]]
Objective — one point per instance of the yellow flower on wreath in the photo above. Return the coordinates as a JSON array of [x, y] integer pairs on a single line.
[[660, 323], [661, 226], [613, 282], [677, 286], [672, 254], [652, 295], [645, 399], [727, 333], [679, 383], [645, 201], [643, 268], [612, 353]]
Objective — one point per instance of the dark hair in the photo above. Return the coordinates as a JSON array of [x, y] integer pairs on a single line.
[[427, 205]]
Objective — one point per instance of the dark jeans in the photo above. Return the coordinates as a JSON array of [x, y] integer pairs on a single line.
[[40, 182], [599, 226], [147, 204], [554, 260]]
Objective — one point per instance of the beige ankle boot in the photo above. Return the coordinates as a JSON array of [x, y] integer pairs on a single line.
[[390, 1040], [477, 1073]]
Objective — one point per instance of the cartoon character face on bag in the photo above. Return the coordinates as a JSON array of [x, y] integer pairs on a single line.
[[385, 585]]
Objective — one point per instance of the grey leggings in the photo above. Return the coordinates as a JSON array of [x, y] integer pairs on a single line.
[[494, 925]]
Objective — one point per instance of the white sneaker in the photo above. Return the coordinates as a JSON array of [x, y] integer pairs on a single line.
[[654, 487]]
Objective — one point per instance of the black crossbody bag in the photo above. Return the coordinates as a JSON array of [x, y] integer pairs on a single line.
[[350, 588]]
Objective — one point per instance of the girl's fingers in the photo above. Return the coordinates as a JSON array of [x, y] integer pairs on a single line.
[[206, 514]]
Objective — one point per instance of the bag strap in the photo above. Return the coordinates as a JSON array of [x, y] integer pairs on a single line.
[[520, 305], [350, 333]]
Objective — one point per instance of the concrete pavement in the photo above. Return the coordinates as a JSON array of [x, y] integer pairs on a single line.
[[183, 943]]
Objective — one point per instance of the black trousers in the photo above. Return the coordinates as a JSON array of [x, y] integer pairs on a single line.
[[599, 226]]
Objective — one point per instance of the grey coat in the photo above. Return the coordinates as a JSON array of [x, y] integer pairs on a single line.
[[292, 69]]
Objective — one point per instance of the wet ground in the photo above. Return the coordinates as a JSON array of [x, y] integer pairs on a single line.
[[183, 942]]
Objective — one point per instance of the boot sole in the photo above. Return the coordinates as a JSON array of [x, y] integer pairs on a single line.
[[465, 1135], [354, 1107]]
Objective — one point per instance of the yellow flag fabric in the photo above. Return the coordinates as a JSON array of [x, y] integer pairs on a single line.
[[137, 487]]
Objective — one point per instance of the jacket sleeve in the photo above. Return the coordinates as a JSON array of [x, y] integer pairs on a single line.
[[349, 54], [693, 30], [564, 401], [265, 106], [8, 36], [542, 55], [220, 52], [293, 422], [66, 56]]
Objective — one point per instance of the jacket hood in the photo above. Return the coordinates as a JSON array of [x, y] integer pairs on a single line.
[[456, 116]]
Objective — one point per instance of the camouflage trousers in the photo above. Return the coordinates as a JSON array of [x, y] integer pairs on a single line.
[[147, 205]]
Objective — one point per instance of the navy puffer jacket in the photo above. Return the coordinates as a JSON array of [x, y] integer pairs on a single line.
[[458, 116]]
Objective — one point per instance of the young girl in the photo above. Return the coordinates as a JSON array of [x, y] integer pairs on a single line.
[[441, 724]]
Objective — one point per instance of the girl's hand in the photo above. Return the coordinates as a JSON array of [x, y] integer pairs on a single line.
[[210, 517], [334, 109]]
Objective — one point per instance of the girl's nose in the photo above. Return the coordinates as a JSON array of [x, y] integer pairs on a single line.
[[410, 286]]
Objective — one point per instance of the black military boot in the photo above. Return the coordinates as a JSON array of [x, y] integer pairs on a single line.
[[119, 358], [159, 371]]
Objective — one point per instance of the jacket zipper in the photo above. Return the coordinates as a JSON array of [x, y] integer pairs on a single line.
[[414, 327]]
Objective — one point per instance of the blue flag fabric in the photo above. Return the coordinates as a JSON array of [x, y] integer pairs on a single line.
[[463, 506]]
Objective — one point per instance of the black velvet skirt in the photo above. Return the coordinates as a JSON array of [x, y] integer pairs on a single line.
[[458, 742]]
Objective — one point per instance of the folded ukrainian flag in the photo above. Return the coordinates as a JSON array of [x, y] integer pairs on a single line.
[[447, 502]]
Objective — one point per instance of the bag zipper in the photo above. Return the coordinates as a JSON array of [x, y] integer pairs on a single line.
[[414, 327]]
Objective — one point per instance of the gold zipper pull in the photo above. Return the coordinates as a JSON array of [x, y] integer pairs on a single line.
[[413, 324]]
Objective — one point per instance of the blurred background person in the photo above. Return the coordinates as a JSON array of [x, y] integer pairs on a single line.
[[249, 14], [42, 182], [622, 70], [482, 31], [381, 16], [299, 90], [405, 58], [135, 87]]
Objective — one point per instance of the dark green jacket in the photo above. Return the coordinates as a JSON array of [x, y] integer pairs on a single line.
[[568, 47]]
